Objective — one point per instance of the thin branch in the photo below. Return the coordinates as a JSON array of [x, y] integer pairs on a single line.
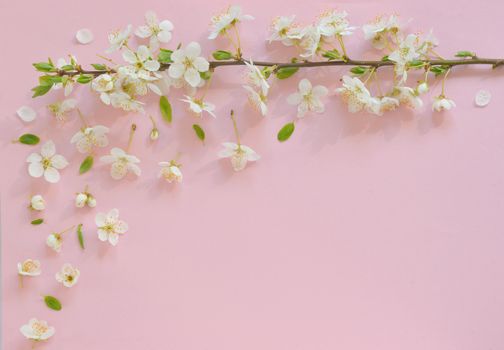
[[494, 62]]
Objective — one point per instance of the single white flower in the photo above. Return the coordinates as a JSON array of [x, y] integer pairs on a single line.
[[84, 36], [405, 52], [308, 99], [381, 105], [155, 31], [256, 77], [423, 87], [68, 275], [377, 30], [257, 99], [170, 171], [55, 242], [124, 101], [354, 93], [408, 97], [46, 163], [283, 29], [188, 64], [86, 139], [26, 114], [442, 103], [143, 62], [104, 84], [310, 41], [122, 163], [81, 200], [239, 154], [37, 330], [222, 22], [110, 227], [118, 39], [61, 108], [333, 23], [30, 268], [198, 106], [37, 202]]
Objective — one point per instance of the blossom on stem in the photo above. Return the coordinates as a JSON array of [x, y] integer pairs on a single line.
[[283, 29], [60, 109], [442, 103], [354, 93], [333, 23], [224, 21], [257, 99], [378, 30], [170, 171], [188, 64], [256, 78], [155, 31], [119, 39], [239, 155]]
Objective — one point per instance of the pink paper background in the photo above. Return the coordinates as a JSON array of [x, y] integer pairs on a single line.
[[359, 233]]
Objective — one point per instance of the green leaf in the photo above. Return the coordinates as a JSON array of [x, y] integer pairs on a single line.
[[84, 78], [359, 70], [86, 164], [465, 54], [43, 67], [166, 110], [285, 132], [206, 75], [221, 55], [29, 139], [385, 59], [41, 90], [438, 70], [416, 64], [286, 72], [200, 133], [50, 79], [99, 66], [332, 55], [164, 56], [67, 67], [52, 303], [37, 222], [80, 236]]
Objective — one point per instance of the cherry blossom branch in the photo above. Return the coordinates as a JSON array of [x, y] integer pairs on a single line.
[[494, 62]]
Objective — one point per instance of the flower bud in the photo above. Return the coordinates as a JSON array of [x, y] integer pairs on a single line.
[[91, 201], [37, 202], [154, 134], [80, 200], [423, 87]]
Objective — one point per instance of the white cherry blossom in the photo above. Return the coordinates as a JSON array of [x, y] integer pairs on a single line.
[[68, 275], [257, 99], [284, 30], [188, 64], [333, 23], [86, 139], [378, 30], [118, 39], [110, 227], [29, 267], [354, 93], [122, 163], [442, 103], [60, 109], [310, 41], [37, 330], [222, 22], [55, 242], [408, 97], [406, 52], [122, 100], [37, 202], [239, 155], [308, 99], [47, 163], [143, 61], [198, 106], [170, 171], [256, 78], [104, 84], [155, 31]]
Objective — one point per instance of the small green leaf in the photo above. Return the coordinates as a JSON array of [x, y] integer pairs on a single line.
[[164, 56], [332, 55], [37, 222], [166, 110], [41, 90], [465, 54], [285, 132], [86, 164], [29, 139], [84, 78], [50, 79], [359, 70], [67, 67], [206, 75], [52, 303], [80, 236], [385, 58], [438, 70], [286, 72], [99, 66], [43, 67], [221, 55], [415, 64], [200, 133]]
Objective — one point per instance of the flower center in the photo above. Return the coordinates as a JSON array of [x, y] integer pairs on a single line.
[[46, 163]]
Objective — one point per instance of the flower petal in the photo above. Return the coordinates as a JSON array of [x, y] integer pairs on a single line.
[[48, 149], [58, 161], [26, 114], [36, 169], [52, 175], [193, 50], [192, 77], [84, 36]]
